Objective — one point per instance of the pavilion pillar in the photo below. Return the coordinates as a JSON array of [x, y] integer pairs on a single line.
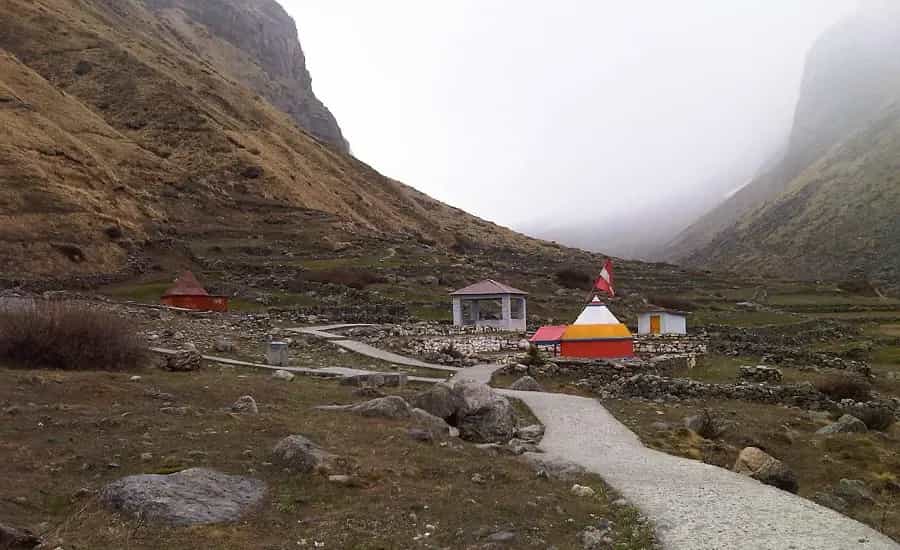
[[457, 311], [507, 311]]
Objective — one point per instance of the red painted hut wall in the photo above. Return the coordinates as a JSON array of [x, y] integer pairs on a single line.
[[199, 303], [598, 349]]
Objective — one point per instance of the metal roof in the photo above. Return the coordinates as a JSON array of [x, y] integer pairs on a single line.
[[186, 285], [488, 286], [650, 308], [549, 334]]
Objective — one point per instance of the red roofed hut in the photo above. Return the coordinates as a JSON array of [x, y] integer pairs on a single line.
[[187, 293]]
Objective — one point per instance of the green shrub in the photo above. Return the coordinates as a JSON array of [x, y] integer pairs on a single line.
[[68, 336]]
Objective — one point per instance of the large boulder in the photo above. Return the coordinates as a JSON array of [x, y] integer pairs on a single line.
[[189, 497], [767, 469], [854, 490], [844, 424], [297, 453], [438, 400], [526, 383], [434, 425], [483, 415], [392, 406]]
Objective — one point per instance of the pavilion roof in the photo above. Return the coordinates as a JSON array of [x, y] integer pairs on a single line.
[[488, 286]]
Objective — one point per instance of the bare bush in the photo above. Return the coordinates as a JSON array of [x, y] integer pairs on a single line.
[[533, 357], [68, 336], [574, 278], [845, 387], [875, 419]]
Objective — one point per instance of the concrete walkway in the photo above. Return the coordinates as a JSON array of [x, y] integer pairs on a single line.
[[693, 505], [366, 349], [326, 372]]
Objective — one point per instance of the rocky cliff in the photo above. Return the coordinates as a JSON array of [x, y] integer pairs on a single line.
[[828, 208], [256, 42]]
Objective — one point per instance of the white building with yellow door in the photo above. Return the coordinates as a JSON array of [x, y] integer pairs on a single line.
[[657, 320]]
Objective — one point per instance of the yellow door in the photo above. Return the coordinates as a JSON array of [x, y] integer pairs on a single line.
[[654, 324]]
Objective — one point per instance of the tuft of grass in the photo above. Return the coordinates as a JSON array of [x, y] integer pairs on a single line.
[[68, 336]]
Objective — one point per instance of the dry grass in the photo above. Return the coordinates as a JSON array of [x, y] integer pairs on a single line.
[[68, 336], [74, 430], [353, 278], [787, 434]]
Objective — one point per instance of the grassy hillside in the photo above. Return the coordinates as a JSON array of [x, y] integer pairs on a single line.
[[125, 137]]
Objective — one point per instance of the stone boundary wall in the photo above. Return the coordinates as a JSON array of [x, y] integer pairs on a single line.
[[806, 396], [467, 345], [668, 344]]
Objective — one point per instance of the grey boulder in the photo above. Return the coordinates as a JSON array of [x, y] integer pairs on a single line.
[[483, 415], [526, 383], [391, 406], [12, 538], [297, 453], [755, 463], [438, 400], [190, 497], [245, 405], [844, 424]]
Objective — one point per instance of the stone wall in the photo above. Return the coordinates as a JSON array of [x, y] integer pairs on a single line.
[[668, 344], [655, 387], [466, 344]]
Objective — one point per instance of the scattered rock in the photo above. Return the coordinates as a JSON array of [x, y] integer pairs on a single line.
[[502, 536], [12, 538], [189, 497], [844, 424], [854, 490], [375, 380], [755, 463], [299, 454], [283, 375], [532, 433], [595, 539], [526, 383], [832, 501], [582, 491], [661, 426], [245, 405], [368, 392], [183, 361], [135, 378], [223, 345], [252, 172], [345, 480]]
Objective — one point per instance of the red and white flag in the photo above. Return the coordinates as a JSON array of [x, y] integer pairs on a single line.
[[604, 282]]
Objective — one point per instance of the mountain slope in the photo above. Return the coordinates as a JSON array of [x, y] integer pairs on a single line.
[[117, 135], [809, 207]]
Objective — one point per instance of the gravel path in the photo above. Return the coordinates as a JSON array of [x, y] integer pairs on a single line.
[[693, 505]]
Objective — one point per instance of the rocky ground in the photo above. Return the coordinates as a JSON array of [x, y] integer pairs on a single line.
[[284, 473]]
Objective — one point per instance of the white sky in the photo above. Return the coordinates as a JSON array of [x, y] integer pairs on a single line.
[[517, 109]]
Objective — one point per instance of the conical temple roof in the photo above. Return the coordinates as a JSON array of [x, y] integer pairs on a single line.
[[596, 313], [186, 285]]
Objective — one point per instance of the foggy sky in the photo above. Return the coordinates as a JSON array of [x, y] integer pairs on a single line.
[[519, 110]]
